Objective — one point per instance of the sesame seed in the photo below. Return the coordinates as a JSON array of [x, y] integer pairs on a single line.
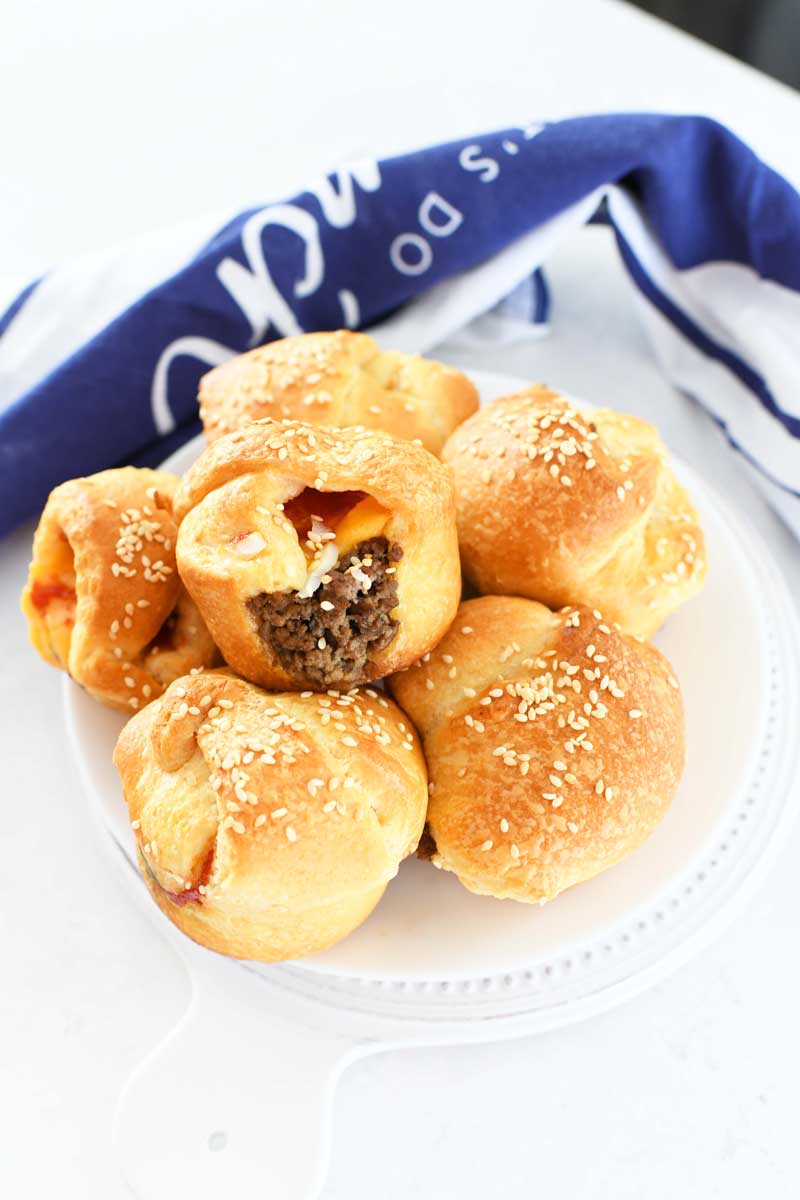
[[635, 713], [260, 820], [466, 629], [487, 845], [514, 850], [504, 825], [290, 833], [278, 812]]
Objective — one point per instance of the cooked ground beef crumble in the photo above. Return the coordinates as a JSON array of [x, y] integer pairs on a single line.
[[331, 644]]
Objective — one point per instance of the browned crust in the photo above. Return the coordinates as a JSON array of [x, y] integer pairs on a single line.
[[339, 379], [266, 828], [604, 523], [118, 530], [526, 799]]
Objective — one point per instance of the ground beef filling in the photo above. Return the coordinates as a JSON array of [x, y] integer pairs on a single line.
[[325, 644], [427, 845]]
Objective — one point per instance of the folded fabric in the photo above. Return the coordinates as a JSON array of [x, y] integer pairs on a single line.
[[100, 360]]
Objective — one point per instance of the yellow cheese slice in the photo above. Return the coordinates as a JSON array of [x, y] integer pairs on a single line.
[[367, 520]]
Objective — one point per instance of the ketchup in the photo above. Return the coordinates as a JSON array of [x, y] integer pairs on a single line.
[[192, 895], [43, 593]]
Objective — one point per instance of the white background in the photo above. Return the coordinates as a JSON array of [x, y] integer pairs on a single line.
[[122, 118]]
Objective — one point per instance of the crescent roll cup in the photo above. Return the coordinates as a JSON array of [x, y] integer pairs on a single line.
[[571, 507], [554, 745], [268, 826], [337, 379], [319, 557], [103, 598]]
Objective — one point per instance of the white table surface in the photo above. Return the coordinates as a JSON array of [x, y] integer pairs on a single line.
[[122, 118]]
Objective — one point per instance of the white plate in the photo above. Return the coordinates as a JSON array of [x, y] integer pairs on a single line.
[[435, 964], [734, 649]]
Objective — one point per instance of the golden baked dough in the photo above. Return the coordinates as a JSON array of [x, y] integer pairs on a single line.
[[338, 379], [554, 745], [571, 507], [319, 557], [269, 825], [103, 597]]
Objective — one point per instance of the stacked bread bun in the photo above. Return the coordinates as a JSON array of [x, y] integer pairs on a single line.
[[338, 379], [319, 557], [268, 824], [104, 600], [240, 614], [567, 506], [554, 744]]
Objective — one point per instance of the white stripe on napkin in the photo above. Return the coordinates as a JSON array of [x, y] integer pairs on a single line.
[[757, 431]]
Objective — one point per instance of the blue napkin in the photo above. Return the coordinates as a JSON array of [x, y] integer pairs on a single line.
[[100, 360]]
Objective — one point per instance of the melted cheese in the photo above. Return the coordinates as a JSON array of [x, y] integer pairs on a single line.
[[366, 520]]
